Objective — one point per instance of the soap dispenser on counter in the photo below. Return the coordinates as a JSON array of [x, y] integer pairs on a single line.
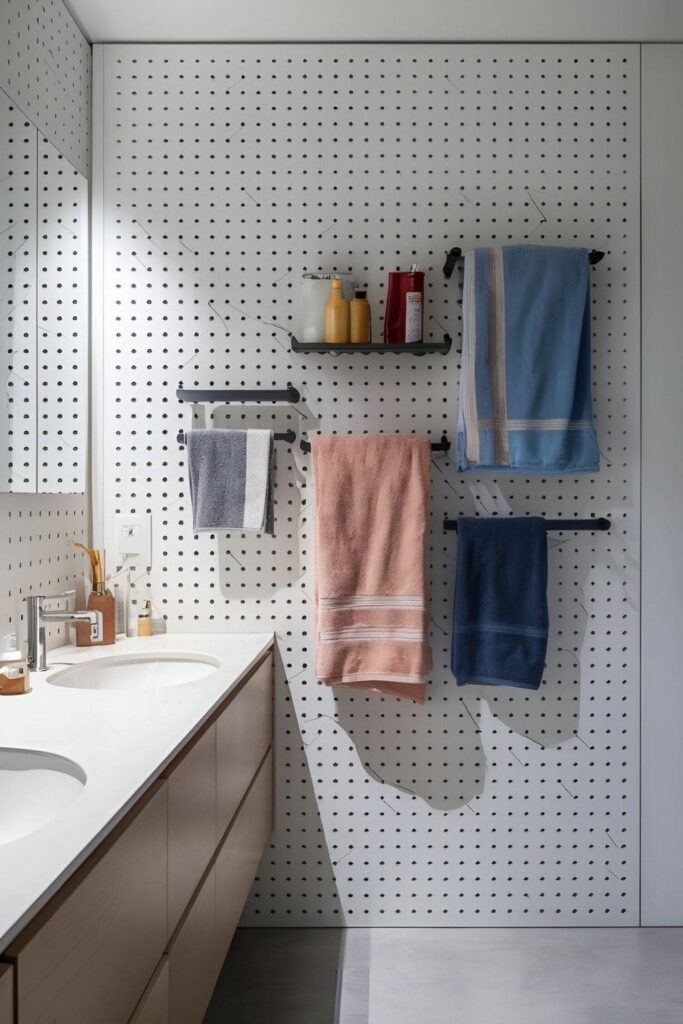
[[14, 677], [101, 600], [145, 620]]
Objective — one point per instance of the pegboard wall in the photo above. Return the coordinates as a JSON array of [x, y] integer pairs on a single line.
[[44, 331], [45, 65], [226, 172], [17, 299], [62, 324]]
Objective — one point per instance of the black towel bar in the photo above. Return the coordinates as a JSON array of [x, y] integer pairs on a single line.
[[437, 446], [455, 254], [554, 524], [288, 394], [288, 435]]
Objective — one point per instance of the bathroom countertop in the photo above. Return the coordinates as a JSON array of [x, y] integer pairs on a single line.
[[122, 739]]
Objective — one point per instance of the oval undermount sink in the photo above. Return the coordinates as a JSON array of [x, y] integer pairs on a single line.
[[35, 788], [136, 671]]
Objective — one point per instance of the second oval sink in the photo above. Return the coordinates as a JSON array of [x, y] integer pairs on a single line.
[[136, 671], [35, 787]]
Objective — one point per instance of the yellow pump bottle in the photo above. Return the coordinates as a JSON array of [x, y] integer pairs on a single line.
[[337, 316]]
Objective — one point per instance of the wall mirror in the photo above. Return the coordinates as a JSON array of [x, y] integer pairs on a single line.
[[43, 312]]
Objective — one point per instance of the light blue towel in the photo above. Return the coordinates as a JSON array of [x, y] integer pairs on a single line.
[[525, 391]]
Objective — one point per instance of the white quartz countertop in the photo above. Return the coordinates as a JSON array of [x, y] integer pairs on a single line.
[[122, 739]]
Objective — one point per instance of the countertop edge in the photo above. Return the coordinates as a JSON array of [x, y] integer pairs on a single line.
[[8, 937]]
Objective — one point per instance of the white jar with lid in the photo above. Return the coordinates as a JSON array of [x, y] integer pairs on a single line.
[[315, 291]]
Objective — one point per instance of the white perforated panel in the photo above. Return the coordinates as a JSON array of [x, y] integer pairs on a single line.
[[37, 530], [17, 299], [230, 170], [38, 557], [63, 351], [45, 62]]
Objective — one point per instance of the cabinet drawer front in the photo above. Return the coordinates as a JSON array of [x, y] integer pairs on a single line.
[[6, 994], [90, 955], [192, 958], [153, 1008], [191, 822], [238, 859], [244, 733]]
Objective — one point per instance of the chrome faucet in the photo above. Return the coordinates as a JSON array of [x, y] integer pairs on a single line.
[[36, 655]]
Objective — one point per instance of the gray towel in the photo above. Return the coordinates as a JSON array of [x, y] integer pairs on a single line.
[[230, 479]]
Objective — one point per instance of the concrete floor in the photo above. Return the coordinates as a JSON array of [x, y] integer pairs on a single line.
[[452, 976]]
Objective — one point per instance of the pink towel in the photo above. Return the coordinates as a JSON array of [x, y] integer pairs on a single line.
[[371, 579]]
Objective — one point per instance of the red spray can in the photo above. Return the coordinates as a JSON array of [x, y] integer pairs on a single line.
[[405, 302]]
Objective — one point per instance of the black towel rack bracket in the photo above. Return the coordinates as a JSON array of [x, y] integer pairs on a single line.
[[554, 524], [287, 435], [288, 394], [455, 254], [437, 446]]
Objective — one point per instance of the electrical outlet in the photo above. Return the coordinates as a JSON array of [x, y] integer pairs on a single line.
[[134, 540]]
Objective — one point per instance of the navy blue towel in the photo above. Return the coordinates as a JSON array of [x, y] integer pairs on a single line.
[[500, 620]]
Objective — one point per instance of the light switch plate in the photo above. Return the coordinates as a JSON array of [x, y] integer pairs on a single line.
[[133, 540]]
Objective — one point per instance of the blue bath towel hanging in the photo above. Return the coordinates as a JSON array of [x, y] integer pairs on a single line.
[[500, 620], [525, 388]]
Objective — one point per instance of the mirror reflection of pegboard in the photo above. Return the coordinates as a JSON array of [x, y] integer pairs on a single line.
[[45, 65], [62, 322], [17, 299]]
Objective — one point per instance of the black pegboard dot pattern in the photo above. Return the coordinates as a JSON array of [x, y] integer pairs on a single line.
[[45, 74], [231, 170]]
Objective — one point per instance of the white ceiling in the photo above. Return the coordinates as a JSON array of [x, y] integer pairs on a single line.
[[282, 20]]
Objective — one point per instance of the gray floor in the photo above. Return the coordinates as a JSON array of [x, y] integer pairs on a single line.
[[279, 976], [452, 976]]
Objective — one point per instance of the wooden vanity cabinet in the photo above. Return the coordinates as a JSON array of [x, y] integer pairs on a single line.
[[6, 994], [90, 954], [154, 1006], [193, 963], [239, 856], [138, 935], [198, 948], [191, 820], [242, 739]]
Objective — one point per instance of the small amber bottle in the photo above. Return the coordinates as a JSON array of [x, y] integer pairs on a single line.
[[336, 315], [145, 620], [360, 318]]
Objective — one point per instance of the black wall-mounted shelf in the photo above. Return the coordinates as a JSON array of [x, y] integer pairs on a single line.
[[288, 394], [419, 349]]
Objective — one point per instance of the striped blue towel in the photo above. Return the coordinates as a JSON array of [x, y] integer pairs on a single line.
[[525, 387]]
